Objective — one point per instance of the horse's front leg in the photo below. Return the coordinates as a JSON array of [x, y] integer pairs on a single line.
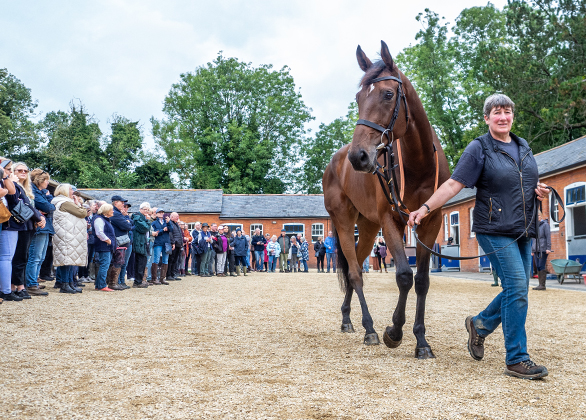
[[347, 326]]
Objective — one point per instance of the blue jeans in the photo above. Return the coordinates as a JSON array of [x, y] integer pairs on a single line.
[[509, 307], [36, 256], [260, 257], [64, 274], [104, 259], [305, 266], [331, 257], [205, 262], [540, 260], [150, 262], [8, 240], [273, 262], [122, 275], [158, 251]]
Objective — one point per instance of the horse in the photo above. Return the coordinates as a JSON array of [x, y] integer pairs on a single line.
[[353, 196]]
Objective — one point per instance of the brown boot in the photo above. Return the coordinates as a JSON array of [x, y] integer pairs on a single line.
[[164, 274], [36, 291], [113, 281], [541, 275], [155, 279]]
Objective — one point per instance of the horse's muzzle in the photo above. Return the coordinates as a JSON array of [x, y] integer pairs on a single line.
[[361, 160]]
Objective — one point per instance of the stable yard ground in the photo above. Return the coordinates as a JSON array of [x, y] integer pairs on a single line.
[[268, 346]]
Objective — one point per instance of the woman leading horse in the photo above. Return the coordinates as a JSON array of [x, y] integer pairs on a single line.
[[392, 117]]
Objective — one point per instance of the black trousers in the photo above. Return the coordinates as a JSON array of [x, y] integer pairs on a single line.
[[130, 266], [230, 262], [173, 258], [320, 262], [140, 262], [47, 265], [21, 256]]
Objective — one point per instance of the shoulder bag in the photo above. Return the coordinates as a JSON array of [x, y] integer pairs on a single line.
[[21, 212], [122, 239]]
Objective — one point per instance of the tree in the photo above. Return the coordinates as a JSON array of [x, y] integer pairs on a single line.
[[318, 151], [232, 126], [18, 136], [153, 174]]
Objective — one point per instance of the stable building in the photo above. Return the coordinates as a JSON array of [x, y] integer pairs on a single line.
[[563, 168]]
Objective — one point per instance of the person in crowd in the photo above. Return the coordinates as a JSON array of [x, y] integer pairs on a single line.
[[122, 228], [25, 230], [195, 254], [380, 252], [205, 247], [330, 244], [187, 239], [294, 253], [176, 236], [40, 240], [241, 248], [285, 245], [70, 239], [320, 253], [131, 259], [162, 246], [212, 258], [142, 228], [11, 192], [304, 248], [502, 168], [540, 249], [83, 272], [248, 256], [104, 244], [221, 246], [258, 242], [230, 253], [266, 254], [153, 217], [274, 250], [92, 263]]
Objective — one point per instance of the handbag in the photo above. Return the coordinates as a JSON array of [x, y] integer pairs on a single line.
[[4, 213], [168, 248], [21, 212], [122, 239], [118, 259]]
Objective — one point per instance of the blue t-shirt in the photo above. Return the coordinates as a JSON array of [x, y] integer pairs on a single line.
[[471, 163]]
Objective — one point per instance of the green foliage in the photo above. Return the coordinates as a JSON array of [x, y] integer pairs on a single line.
[[232, 126], [319, 151], [18, 135]]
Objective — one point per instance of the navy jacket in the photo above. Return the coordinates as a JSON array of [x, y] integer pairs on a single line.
[[12, 201], [505, 194], [256, 239], [101, 246], [240, 245], [163, 237], [121, 224], [204, 246], [43, 203]]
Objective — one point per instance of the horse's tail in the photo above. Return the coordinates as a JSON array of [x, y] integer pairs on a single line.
[[342, 264]]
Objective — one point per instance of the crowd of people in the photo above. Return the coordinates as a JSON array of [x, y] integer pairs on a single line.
[[108, 244]]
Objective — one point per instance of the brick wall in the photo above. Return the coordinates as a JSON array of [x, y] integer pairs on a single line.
[[272, 226], [469, 245]]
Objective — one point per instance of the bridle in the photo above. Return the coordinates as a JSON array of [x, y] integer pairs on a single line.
[[388, 178]]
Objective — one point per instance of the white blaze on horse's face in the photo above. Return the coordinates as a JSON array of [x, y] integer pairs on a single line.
[[370, 90]]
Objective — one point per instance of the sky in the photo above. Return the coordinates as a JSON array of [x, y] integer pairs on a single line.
[[121, 57]]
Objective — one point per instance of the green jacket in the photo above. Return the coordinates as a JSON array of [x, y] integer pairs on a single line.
[[141, 227]]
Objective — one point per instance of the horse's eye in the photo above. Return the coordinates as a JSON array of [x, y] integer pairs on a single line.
[[388, 94]]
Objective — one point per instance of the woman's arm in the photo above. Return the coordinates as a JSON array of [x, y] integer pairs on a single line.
[[74, 209], [444, 193]]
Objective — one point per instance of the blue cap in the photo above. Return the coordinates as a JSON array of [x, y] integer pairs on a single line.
[[118, 198]]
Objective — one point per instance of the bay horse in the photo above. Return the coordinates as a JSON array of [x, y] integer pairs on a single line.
[[353, 195]]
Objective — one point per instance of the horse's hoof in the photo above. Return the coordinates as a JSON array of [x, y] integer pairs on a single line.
[[389, 342], [347, 328], [424, 353], [371, 339]]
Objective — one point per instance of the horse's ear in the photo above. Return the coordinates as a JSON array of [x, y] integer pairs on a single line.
[[386, 56], [363, 61]]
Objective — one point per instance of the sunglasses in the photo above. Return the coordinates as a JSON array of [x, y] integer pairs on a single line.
[[22, 171]]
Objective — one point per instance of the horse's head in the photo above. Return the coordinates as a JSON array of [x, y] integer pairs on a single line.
[[379, 98]]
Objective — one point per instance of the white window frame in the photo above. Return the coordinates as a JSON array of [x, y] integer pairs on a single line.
[[446, 228], [472, 234], [554, 227], [570, 214], [294, 224], [253, 226], [458, 225], [380, 233], [313, 230], [191, 226]]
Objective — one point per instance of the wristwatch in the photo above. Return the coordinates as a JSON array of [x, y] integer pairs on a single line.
[[428, 209]]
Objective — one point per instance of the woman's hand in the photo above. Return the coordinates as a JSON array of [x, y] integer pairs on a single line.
[[3, 192], [108, 241], [416, 216], [542, 191], [41, 224]]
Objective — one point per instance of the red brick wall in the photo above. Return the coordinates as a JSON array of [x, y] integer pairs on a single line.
[[267, 224], [469, 245]]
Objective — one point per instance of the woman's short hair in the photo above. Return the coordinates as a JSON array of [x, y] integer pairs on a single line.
[[105, 208], [38, 176], [498, 100], [62, 189], [274, 236]]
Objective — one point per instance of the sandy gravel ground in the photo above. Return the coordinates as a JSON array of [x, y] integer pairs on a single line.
[[268, 346]]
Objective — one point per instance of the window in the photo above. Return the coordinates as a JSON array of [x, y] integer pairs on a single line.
[[191, 226], [253, 227], [472, 234], [455, 227], [233, 227], [380, 233], [317, 230], [556, 213], [294, 228], [446, 234], [576, 195]]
